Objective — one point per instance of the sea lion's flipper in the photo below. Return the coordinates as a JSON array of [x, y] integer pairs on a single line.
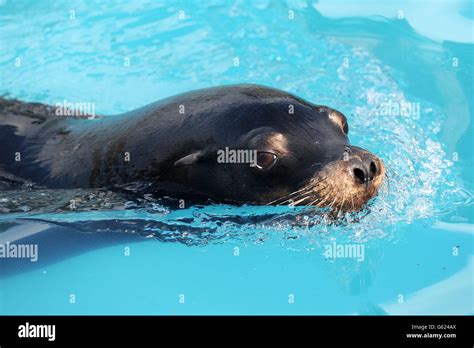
[[21, 116], [18, 120]]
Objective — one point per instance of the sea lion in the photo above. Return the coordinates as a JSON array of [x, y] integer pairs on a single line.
[[243, 144]]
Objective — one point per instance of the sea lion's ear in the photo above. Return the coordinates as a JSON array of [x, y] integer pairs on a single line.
[[339, 119], [189, 159]]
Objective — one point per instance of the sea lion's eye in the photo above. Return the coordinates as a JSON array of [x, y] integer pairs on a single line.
[[265, 160]]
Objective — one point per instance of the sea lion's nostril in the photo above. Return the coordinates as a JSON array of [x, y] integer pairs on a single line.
[[373, 170], [359, 174]]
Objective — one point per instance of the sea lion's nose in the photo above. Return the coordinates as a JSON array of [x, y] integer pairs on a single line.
[[364, 166], [365, 171]]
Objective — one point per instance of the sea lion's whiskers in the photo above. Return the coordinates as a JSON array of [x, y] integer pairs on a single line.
[[291, 200], [320, 185], [342, 204], [288, 195], [303, 191], [312, 202], [325, 198], [331, 205], [320, 182], [301, 200], [317, 199]]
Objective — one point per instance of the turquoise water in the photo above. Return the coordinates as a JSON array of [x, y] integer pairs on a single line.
[[363, 59]]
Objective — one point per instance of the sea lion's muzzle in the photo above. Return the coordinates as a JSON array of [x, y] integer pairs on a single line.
[[344, 184], [348, 184]]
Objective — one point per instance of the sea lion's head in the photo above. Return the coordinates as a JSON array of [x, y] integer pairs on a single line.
[[265, 146]]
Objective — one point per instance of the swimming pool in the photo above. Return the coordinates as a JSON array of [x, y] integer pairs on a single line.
[[405, 86]]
